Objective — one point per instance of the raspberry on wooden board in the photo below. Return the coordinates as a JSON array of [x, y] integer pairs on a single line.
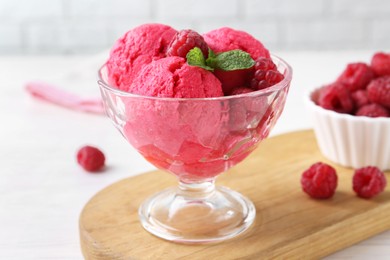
[[368, 182], [319, 181]]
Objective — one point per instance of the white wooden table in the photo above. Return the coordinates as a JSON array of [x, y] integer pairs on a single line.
[[43, 190]]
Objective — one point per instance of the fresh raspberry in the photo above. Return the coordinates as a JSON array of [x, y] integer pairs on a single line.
[[372, 110], [356, 76], [241, 90], [360, 98], [90, 158], [380, 63], [368, 181], [265, 64], [378, 91], [184, 41], [336, 97], [319, 181], [266, 74]]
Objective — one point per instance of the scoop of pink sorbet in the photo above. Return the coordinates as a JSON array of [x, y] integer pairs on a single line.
[[227, 39], [135, 49], [173, 77]]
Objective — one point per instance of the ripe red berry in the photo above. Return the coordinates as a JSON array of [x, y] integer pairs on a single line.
[[378, 91], [265, 64], [265, 75], [360, 98], [184, 41], [380, 63], [90, 158], [372, 110], [368, 181], [336, 97], [319, 181], [356, 76]]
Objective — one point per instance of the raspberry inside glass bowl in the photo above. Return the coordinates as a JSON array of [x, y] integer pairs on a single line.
[[196, 139]]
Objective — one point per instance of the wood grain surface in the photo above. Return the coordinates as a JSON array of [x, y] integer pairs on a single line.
[[288, 225]]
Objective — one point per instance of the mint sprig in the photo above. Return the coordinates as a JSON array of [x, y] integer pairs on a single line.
[[195, 58], [229, 60], [234, 60]]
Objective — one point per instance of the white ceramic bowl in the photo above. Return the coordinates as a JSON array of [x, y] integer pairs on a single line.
[[351, 141]]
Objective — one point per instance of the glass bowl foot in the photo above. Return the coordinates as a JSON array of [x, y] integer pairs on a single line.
[[206, 215]]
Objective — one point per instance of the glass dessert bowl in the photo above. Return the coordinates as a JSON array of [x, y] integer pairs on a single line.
[[196, 139]]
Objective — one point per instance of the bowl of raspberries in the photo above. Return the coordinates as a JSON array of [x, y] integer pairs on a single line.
[[352, 115]]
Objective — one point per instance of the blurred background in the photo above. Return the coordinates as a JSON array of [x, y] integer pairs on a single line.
[[46, 27]]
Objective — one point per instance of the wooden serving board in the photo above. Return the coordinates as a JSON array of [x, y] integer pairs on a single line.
[[288, 225]]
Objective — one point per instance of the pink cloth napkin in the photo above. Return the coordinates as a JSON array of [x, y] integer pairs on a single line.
[[60, 97]]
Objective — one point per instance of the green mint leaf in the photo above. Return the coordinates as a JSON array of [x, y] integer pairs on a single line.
[[195, 58], [232, 60], [212, 54], [211, 59]]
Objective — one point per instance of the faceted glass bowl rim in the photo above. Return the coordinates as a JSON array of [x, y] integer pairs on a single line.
[[279, 86]]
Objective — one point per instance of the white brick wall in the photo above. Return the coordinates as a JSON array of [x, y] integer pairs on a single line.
[[23, 10], [88, 26], [326, 34], [381, 32], [284, 8], [362, 8], [10, 37], [109, 8], [196, 9]]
